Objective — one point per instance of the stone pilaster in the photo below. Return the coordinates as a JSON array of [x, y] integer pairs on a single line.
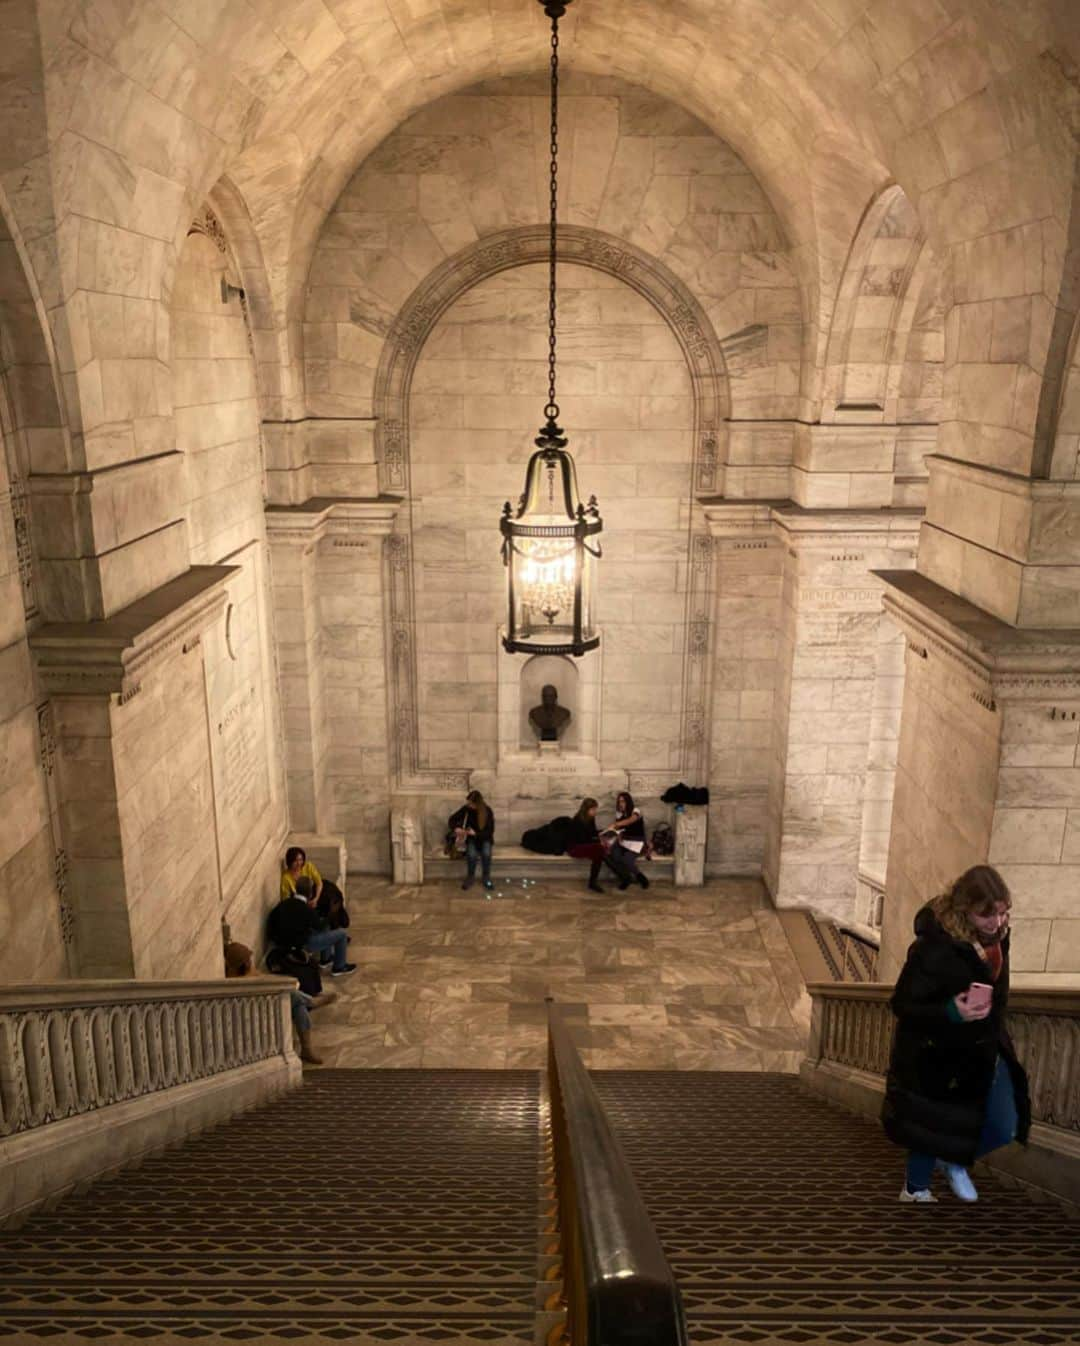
[[828, 665], [327, 559], [988, 769], [133, 780]]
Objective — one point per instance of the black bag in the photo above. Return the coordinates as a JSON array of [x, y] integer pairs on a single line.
[[663, 840]]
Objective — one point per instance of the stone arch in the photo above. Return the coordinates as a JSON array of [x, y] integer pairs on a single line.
[[33, 425], [404, 343], [880, 287], [520, 247]]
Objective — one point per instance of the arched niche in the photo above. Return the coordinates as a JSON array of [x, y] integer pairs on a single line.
[[694, 337], [560, 672]]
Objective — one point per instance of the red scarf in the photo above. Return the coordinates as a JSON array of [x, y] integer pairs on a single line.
[[994, 959]]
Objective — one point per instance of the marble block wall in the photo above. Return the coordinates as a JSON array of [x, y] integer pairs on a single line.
[[943, 804], [353, 647], [1035, 837], [884, 736], [476, 403], [632, 165], [745, 701]]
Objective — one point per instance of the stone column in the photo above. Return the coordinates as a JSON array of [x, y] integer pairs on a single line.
[[988, 769], [827, 669], [330, 619]]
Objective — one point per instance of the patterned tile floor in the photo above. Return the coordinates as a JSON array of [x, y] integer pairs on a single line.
[[690, 979]]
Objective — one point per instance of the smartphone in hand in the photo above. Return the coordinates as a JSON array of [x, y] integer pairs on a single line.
[[979, 996]]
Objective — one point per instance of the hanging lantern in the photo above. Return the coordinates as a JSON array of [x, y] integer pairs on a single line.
[[549, 558]]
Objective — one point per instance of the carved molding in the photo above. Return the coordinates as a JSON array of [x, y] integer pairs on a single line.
[[111, 657], [998, 663]]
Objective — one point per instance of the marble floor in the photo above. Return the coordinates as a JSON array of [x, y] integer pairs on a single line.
[[690, 979]]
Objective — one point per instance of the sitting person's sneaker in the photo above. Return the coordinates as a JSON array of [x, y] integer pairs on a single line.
[[959, 1180], [345, 971], [488, 883], [921, 1197]]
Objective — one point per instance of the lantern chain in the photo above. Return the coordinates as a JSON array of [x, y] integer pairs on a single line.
[[552, 408]]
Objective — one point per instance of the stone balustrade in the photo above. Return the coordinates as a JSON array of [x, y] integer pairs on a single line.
[[848, 1055], [853, 1026], [94, 1073]]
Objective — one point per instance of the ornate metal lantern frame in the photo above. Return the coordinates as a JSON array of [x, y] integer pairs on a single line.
[[549, 543]]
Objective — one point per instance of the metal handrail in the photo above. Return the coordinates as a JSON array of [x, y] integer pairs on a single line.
[[619, 1288]]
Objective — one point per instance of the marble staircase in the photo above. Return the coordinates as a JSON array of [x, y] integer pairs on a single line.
[[413, 1207], [779, 1216]]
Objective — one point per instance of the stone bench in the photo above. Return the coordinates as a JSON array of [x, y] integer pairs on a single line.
[[515, 862]]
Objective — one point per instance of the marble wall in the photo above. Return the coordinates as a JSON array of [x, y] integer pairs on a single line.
[[477, 398], [32, 947]]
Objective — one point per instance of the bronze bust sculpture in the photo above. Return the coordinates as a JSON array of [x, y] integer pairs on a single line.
[[549, 719]]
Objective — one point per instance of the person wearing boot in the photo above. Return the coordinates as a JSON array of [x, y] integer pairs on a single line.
[[240, 962]]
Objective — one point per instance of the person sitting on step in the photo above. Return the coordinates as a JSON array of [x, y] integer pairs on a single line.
[[583, 843], [329, 899], [240, 962], [294, 924], [628, 837]]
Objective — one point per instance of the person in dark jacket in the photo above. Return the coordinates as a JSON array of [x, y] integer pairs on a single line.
[[628, 831], [475, 822], [955, 1090], [295, 924], [583, 843]]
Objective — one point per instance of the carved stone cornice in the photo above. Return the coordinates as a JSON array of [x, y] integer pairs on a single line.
[[826, 529], [811, 529], [110, 657], [1013, 663], [302, 525]]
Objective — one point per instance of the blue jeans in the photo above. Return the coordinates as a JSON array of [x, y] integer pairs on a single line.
[[300, 1016], [336, 941], [478, 850], [999, 1128]]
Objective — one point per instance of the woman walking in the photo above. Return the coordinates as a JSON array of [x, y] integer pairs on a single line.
[[474, 823], [955, 1090]]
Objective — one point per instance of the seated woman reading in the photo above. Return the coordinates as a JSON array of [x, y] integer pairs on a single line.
[[628, 835], [583, 843]]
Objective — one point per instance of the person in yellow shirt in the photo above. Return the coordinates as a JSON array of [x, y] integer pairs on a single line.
[[296, 865], [327, 898]]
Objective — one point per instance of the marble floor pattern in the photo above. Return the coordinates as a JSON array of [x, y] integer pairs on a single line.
[[691, 979]]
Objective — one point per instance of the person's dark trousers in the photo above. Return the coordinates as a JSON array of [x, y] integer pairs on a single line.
[[999, 1128]]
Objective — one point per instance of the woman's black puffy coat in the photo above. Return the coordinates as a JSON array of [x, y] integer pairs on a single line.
[[941, 1071]]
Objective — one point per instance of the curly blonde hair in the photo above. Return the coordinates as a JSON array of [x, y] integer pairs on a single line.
[[978, 890]]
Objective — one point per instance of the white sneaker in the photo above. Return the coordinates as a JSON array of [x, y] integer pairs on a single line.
[[923, 1197], [960, 1181]]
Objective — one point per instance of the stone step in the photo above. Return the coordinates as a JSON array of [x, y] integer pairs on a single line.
[[515, 863]]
